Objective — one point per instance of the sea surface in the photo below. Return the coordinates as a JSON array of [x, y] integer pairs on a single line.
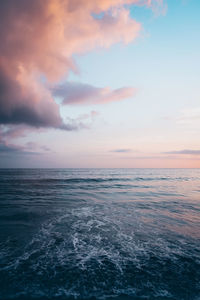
[[99, 234]]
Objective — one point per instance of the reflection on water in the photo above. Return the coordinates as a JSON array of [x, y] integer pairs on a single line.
[[99, 234]]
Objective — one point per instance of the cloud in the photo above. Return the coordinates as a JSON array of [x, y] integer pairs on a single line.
[[79, 93], [84, 121], [10, 133], [122, 150], [36, 146], [38, 40], [185, 151], [27, 103], [4, 148], [7, 149], [13, 131]]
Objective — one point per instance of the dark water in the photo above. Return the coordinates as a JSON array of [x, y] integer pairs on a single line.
[[99, 234]]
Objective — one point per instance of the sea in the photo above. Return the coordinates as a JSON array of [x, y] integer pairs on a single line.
[[99, 234]]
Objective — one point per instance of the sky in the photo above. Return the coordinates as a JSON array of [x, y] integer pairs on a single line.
[[99, 84]]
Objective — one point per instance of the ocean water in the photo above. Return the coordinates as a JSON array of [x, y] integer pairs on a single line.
[[99, 234]]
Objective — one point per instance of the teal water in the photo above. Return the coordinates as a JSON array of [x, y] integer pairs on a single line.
[[99, 234]]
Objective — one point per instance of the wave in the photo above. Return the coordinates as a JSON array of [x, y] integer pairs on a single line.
[[99, 234], [90, 254]]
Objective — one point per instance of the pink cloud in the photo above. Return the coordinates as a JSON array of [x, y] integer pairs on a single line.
[[79, 93], [40, 37]]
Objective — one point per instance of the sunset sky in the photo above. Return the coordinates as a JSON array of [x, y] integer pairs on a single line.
[[100, 83]]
